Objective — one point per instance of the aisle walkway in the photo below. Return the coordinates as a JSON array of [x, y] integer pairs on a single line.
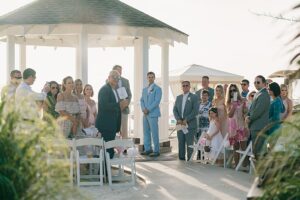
[[179, 180]]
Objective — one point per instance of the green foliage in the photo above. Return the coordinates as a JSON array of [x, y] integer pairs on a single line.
[[33, 159], [280, 169]]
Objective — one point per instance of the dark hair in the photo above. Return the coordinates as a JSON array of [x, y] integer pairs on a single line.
[[245, 81], [228, 94], [213, 109], [185, 82], [58, 90], [28, 72], [205, 77], [13, 72], [87, 85], [275, 88], [204, 92], [116, 66], [263, 79], [149, 73], [64, 82]]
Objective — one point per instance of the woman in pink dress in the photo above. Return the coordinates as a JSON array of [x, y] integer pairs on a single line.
[[88, 92], [236, 109], [219, 103], [82, 103]]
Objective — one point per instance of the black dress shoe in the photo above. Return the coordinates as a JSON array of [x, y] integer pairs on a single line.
[[154, 154], [146, 153]]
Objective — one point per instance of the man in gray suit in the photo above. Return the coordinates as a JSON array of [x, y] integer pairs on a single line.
[[123, 82], [258, 115], [205, 86], [185, 111]]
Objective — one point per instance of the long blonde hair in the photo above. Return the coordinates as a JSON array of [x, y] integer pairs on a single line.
[[222, 90]]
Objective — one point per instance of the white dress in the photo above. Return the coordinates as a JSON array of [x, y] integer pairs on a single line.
[[216, 141]]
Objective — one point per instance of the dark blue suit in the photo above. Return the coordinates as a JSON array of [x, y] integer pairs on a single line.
[[108, 120]]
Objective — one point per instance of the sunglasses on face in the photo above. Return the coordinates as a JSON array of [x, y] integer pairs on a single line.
[[18, 77], [185, 85], [54, 87], [233, 90]]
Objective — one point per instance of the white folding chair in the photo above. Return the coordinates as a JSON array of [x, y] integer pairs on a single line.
[[122, 161], [97, 144], [222, 149], [247, 152], [197, 147], [71, 145]]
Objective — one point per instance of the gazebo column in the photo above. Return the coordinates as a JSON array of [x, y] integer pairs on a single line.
[[82, 57], [141, 67], [164, 120], [10, 61], [22, 57]]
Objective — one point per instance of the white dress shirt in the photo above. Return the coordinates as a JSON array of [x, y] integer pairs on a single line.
[[184, 98], [116, 96], [150, 87]]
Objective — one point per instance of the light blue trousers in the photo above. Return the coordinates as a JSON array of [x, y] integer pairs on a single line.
[[151, 132]]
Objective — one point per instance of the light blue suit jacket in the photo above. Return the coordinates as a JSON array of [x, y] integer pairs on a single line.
[[151, 100]]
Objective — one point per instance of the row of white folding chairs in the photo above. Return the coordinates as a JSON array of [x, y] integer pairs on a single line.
[[99, 159]]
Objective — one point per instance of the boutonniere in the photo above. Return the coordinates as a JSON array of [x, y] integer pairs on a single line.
[[189, 99]]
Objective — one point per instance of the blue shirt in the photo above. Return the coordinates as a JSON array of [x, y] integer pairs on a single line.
[[276, 108]]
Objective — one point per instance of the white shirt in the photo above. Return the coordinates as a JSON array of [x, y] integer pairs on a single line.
[[116, 96], [25, 99], [8, 91], [120, 83], [150, 87], [184, 98]]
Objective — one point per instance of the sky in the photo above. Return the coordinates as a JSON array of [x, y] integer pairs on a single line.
[[228, 35]]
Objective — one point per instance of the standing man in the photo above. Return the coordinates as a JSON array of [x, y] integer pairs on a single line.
[[185, 111], [123, 82], [150, 101], [108, 120], [258, 115], [9, 90], [205, 86], [245, 88], [28, 102]]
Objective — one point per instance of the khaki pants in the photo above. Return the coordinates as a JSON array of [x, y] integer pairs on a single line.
[[124, 126]]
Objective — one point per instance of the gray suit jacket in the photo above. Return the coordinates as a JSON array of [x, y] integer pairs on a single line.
[[211, 94], [259, 110], [125, 83], [190, 110]]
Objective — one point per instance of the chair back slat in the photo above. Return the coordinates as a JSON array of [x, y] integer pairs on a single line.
[[125, 143], [89, 141]]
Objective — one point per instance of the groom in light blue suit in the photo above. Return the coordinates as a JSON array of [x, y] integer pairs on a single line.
[[150, 101]]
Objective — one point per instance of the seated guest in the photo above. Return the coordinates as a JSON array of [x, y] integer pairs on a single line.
[[276, 107], [237, 110], [49, 105], [185, 111], [68, 108], [88, 92], [287, 102]]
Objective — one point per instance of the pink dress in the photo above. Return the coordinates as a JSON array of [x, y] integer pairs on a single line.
[[236, 124], [222, 114], [92, 111]]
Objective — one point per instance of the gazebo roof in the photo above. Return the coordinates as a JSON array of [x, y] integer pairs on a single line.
[[195, 72], [110, 17]]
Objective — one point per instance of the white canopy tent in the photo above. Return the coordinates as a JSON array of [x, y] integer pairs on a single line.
[[194, 73], [93, 23]]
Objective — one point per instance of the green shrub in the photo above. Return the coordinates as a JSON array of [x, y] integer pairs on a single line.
[[27, 149]]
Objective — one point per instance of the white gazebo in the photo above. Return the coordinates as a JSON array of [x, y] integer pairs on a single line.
[[194, 73], [84, 24]]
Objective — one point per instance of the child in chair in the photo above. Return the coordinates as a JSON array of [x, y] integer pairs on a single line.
[[213, 136]]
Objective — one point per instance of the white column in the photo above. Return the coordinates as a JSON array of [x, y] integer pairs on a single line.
[[141, 67], [22, 57], [82, 57], [164, 106], [10, 61]]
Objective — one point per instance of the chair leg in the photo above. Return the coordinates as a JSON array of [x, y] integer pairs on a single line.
[[78, 170]]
